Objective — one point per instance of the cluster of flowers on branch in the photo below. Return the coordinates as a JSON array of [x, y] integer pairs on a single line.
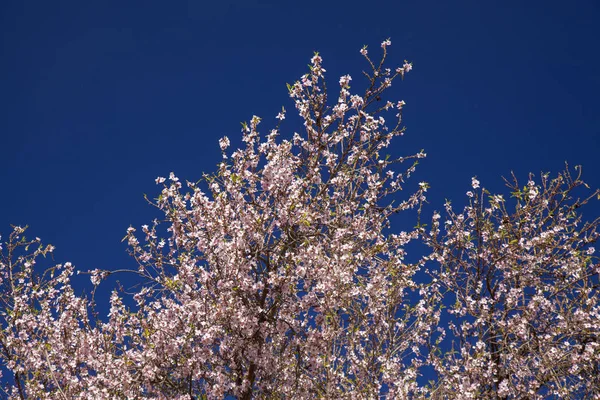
[[521, 283], [278, 276]]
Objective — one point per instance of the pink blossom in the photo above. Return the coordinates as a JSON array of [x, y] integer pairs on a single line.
[[224, 143]]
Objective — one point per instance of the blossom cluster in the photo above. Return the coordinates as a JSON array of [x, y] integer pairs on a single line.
[[523, 284]]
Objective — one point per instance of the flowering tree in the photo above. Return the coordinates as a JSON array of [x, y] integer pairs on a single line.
[[523, 285], [46, 332], [278, 277], [277, 281]]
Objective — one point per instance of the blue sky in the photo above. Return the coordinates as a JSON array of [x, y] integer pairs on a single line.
[[99, 98]]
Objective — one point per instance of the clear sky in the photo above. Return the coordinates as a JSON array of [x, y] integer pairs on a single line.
[[97, 98]]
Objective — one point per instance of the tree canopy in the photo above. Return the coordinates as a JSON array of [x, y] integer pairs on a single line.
[[280, 275]]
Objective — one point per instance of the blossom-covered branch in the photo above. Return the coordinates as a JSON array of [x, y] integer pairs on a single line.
[[521, 276]]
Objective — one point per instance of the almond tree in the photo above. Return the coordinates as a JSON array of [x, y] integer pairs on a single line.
[[521, 281], [275, 276], [280, 280], [46, 340]]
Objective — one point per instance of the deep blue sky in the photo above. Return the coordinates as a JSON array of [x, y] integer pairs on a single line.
[[97, 98]]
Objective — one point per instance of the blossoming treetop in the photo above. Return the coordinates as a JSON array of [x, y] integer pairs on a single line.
[[277, 277]]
